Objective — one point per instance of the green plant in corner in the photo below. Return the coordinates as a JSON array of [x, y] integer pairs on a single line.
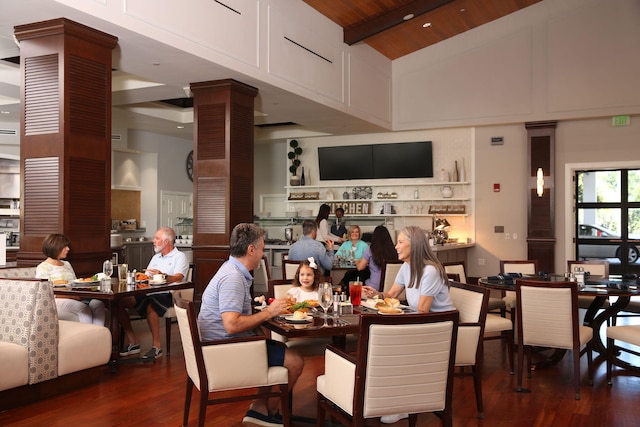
[[293, 155]]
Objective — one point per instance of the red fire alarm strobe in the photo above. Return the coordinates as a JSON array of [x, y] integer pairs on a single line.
[[496, 188]]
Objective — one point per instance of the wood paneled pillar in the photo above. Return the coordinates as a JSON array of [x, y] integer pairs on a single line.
[[541, 237], [223, 170], [65, 140]]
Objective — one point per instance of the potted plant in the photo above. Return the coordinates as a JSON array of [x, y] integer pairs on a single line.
[[293, 155]]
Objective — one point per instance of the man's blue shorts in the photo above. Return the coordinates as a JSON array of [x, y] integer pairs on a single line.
[[275, 352]]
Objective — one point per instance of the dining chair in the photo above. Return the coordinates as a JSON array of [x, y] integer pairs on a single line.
[[595, 268], [403, 364], [526, 266], [629, 334], [227, 370], [170, 314], [289, 268], [548, 317], [471, 301], [390, 270], [458, 268], [261, 277]]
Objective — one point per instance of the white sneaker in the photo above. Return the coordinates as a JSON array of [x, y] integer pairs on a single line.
[[390, 419]]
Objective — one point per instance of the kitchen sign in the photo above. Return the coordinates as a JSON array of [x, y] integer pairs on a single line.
[[352, 208]]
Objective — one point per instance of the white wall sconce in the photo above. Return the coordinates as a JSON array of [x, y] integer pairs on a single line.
[[540, 182]]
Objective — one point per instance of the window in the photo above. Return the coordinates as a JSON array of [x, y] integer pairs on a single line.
[[608, 217]]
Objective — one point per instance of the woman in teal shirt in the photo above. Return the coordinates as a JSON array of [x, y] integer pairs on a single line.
[[353, 244]]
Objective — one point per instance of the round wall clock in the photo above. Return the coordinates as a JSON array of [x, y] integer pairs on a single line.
[[190, 165]]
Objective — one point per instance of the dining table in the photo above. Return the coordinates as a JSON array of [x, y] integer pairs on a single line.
[[112, 297], [617, 288]]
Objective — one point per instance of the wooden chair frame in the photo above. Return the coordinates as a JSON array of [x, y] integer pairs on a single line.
[[573, 286], [476, 367], [360, 360], [281, 391]]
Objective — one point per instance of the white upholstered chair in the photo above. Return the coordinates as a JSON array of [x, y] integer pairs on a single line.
[[471, 301], [548, 317], [595, 268], [458, 268], [388, 276], [261, 277], [527, 266], [403, 364], [629, 334], [289, 268], [226, 366]]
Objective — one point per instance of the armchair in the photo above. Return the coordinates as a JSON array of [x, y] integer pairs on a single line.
[[236, 364], [403, 364]]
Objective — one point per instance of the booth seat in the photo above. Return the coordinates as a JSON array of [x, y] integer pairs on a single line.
[[17, 273], [37, 349]]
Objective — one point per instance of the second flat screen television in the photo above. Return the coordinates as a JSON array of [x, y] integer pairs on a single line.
[[376, 161]]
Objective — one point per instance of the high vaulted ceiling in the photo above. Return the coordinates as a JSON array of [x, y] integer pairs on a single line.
[[397, 27], [141, 80]]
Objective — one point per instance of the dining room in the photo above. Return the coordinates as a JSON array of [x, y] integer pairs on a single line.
[[159, 388]]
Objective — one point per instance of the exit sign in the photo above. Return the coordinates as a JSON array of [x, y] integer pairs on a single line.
[[621, 120]]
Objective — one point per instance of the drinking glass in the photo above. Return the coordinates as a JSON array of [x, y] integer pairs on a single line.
[[107, 269], [355, 290], [326, 297]]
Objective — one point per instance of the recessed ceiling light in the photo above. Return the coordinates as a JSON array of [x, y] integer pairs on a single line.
[[408, 16], [5, 112], [180, 127], [463, 10], [426, 24]]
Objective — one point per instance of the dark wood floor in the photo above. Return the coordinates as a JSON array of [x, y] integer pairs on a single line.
[[153, 395]]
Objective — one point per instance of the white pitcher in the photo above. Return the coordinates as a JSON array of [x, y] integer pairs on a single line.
[[446, 192]]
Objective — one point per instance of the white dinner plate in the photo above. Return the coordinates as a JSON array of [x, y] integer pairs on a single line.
[[401, 312], [84, 282], [291, 319], [158, 283]]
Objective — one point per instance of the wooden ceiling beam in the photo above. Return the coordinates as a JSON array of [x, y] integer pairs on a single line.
[[396, 17]]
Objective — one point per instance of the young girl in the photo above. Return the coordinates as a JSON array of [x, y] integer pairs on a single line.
[[306, 282]]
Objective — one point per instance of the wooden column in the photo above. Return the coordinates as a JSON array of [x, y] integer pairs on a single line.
[[223, 170], [65, 140], [541, 237]]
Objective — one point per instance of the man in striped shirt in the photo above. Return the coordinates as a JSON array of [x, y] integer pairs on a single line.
[[226, 312]]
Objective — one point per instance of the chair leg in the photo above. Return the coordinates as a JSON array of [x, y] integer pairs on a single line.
[[510, 351], [187, 403], [590, 361], [285, 403], [476, 371], [202, 410], [576, 371], [320, 410], [167, 329], [520, 365], [610, 352]]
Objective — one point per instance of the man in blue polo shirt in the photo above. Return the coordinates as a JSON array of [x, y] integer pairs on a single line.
[[226, 312]]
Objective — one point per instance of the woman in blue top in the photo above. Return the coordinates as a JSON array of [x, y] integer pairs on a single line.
[[353, 244], [421, 274]]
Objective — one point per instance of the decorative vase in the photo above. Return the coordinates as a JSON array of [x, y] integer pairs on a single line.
[[463, 174], [294, 181], [456, 176], [443, 176], [446, 192], [302, 180]]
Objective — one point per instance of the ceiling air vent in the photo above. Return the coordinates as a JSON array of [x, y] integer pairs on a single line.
[[271, 125], [8, 132]]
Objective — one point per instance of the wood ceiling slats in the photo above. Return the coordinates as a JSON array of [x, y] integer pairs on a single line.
[[447, 21]]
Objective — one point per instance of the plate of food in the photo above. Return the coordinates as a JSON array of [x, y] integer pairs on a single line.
[[141, 277], [157, 282], [299, 317], [60, 283], [86, 280]]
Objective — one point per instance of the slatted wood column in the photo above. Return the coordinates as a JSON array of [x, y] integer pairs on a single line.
[[223, 170], [541, 239], [65, 140]]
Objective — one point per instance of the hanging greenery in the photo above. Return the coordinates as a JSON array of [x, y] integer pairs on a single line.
[[293, 155]]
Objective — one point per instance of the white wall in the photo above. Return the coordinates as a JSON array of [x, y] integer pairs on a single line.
[[554, 60]]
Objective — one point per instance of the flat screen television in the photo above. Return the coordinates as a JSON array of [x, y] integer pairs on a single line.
[[403, 160], [376, 161], [346, 162]]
